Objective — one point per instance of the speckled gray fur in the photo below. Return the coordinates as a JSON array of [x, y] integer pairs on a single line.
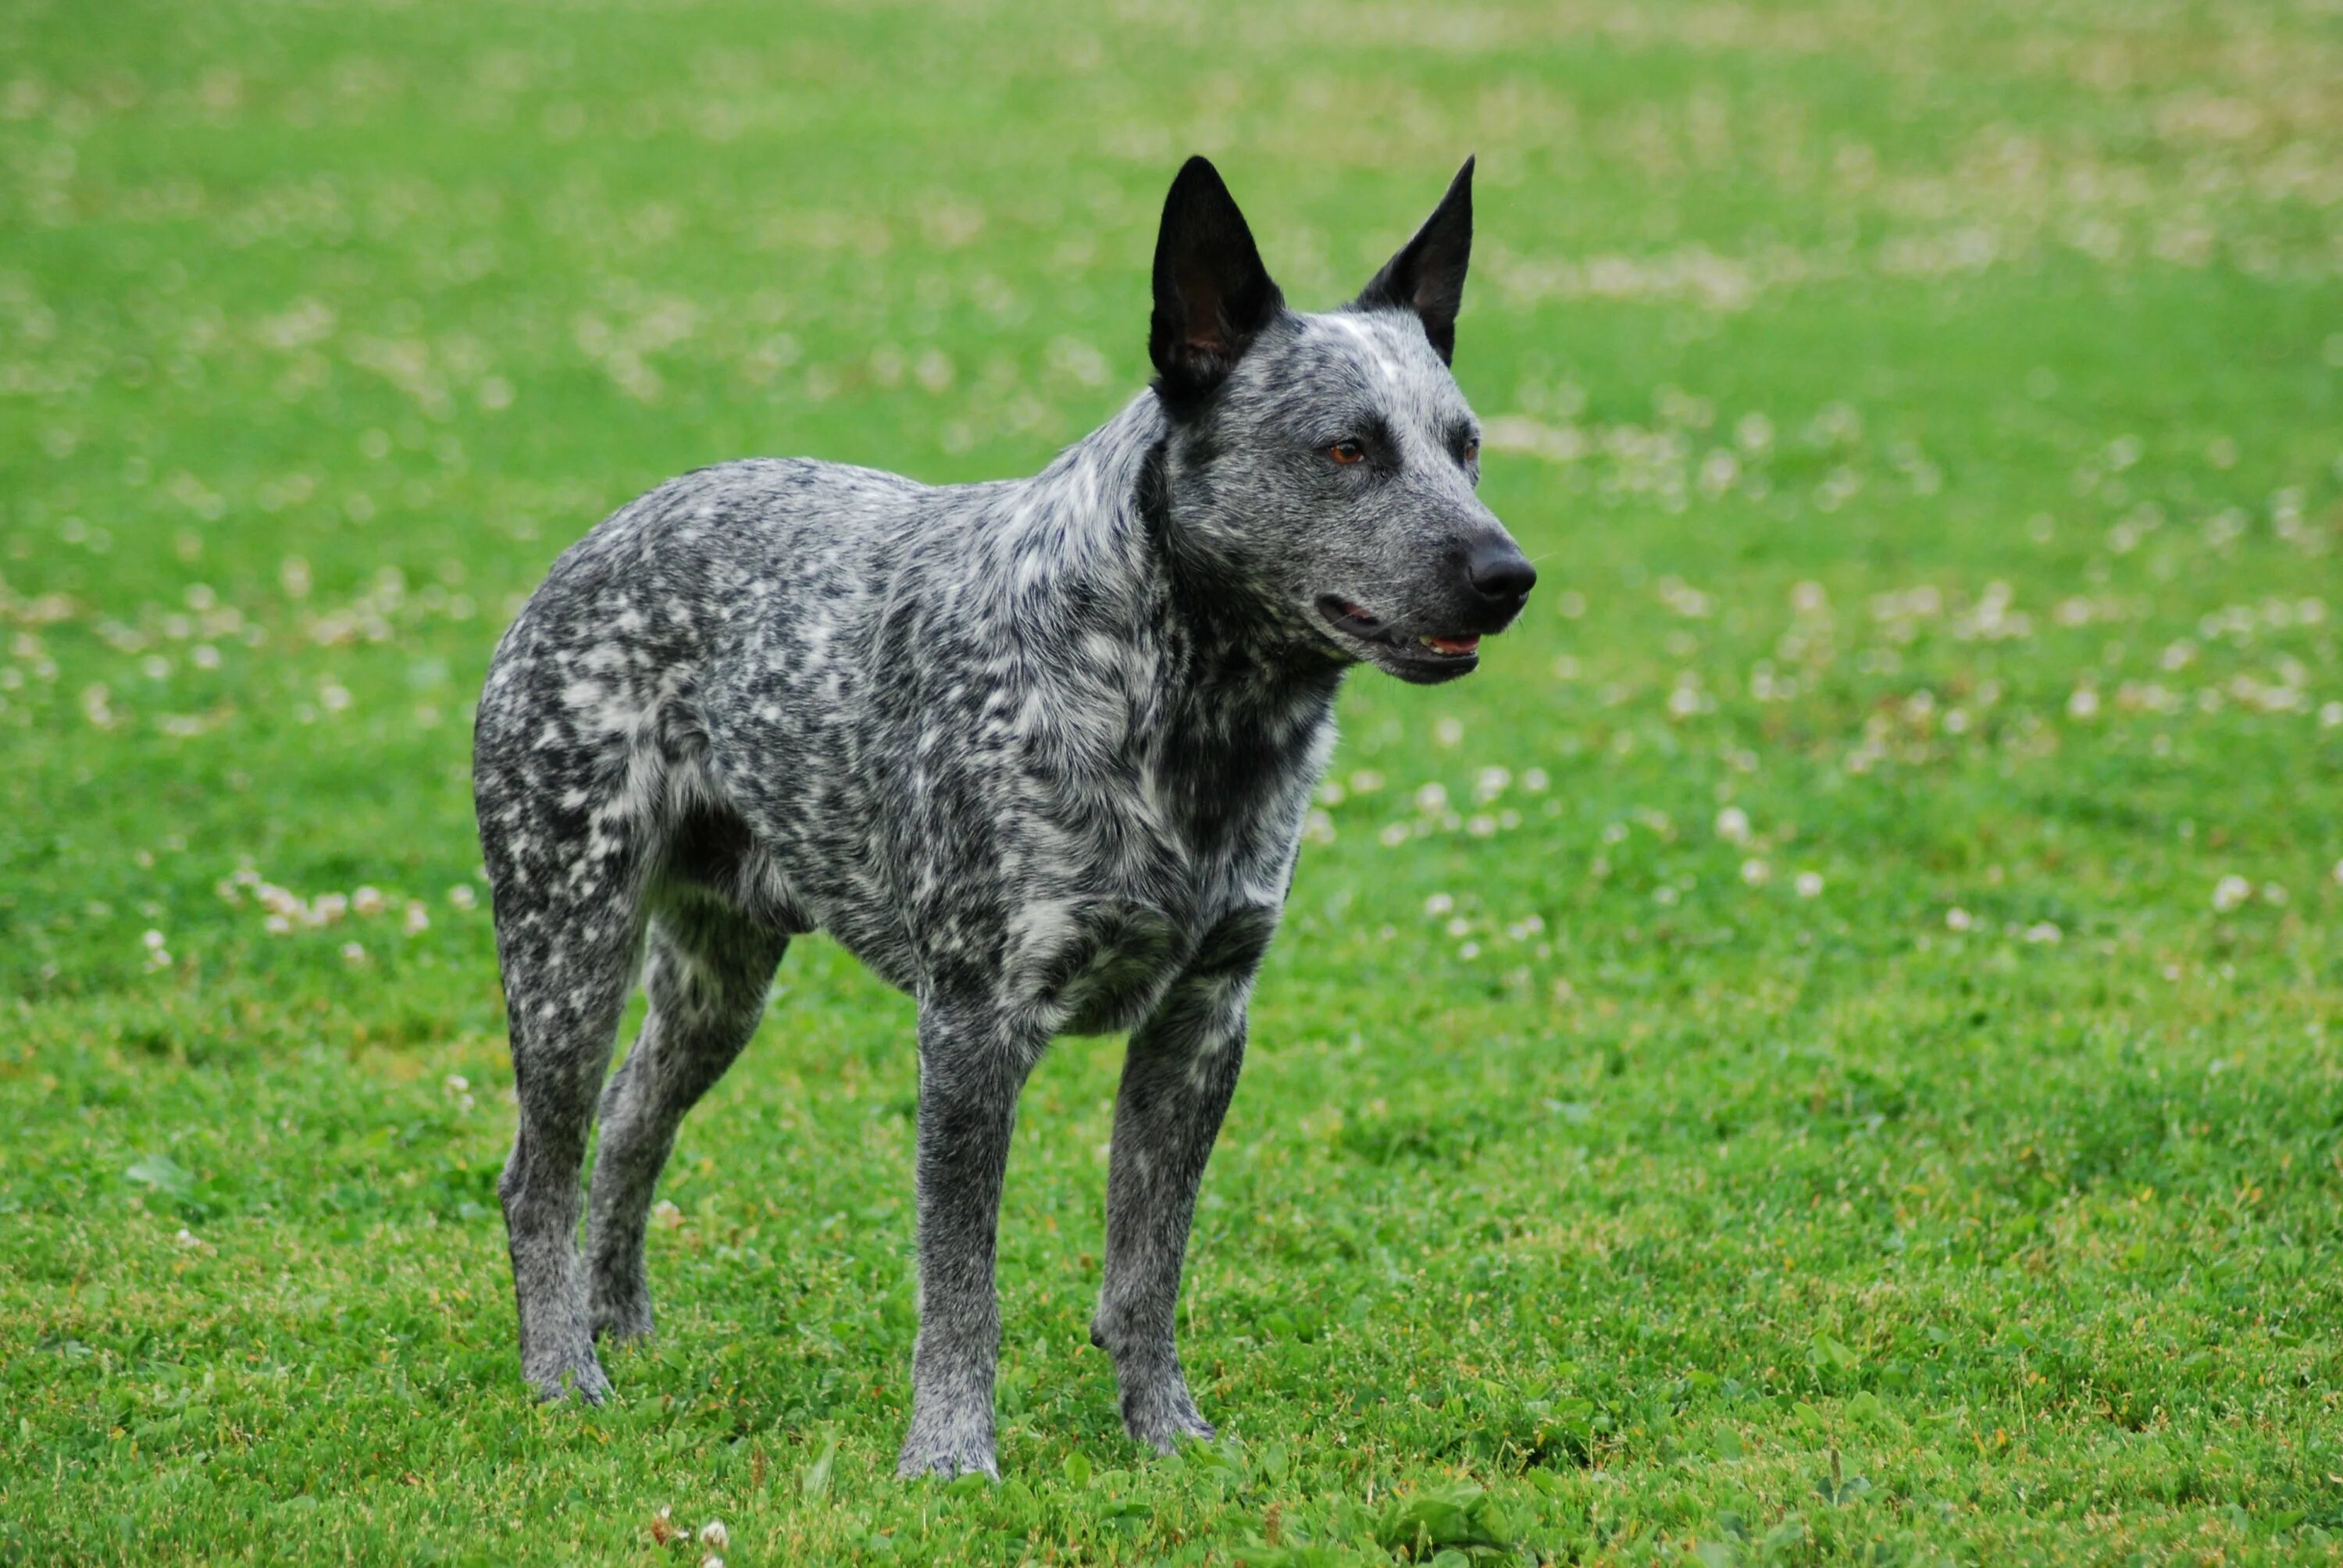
[[1038, 752]]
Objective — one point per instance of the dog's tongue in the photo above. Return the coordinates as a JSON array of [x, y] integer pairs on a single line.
[[1452, 645]]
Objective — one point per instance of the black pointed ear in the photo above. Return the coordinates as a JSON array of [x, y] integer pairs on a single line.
[[1211, 292], [1427, 276]]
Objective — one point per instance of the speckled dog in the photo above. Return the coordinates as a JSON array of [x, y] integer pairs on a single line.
[[1038, 752]]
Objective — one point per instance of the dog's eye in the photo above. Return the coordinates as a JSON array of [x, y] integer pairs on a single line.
[[1473, 450], [1347, 452]]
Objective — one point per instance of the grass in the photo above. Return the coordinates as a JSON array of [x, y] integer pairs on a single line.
[[1825, 1051]]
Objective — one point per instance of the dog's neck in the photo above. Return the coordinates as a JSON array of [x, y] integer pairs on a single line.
[[1245, 692], [1233, 636]]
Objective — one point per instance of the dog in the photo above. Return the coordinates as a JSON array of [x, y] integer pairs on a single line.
[[1037, 751]]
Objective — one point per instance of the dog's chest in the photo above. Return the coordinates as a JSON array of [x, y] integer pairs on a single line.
[[1184, 857]]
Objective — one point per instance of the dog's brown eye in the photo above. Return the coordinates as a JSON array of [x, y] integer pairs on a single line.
[[1347, 452], [1472, 450]]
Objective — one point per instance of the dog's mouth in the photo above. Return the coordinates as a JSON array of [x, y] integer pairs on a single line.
[[1413, 656]]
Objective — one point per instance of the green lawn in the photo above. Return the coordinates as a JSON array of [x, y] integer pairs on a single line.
[[1825, 1049]]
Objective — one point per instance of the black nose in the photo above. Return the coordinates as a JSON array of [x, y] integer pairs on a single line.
[[1497, 569]]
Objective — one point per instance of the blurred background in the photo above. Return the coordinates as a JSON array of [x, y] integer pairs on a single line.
[[326, 327], [1910, 803]]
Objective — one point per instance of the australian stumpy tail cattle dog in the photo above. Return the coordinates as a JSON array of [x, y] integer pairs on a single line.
[[1037, 751]]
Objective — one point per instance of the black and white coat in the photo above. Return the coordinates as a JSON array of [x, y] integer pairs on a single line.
[[1038, 752]]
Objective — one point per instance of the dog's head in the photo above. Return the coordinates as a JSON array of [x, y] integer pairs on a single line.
[[1326, 463]]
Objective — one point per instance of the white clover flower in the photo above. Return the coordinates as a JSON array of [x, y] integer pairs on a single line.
[[1433, 798], [1318, 827], [1959, 920], [1756, 872], [1449, 732], [714, 1535], [667, 1216], [1535, 780], [2044, 931], [2083, 703], [1809, 884], [1460, 927], [418, 919], [1491, 782], [2229, 893], [366, 902], [1733, 825], [352, 953], [1366, 781], [153, 940], [462, 897], [1393, 836], [1438, 904]]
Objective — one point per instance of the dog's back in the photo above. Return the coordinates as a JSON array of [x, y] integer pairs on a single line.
[[768, 675]]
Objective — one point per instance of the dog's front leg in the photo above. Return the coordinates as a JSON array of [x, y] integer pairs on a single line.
[[973, 1062], [1177, 1077]]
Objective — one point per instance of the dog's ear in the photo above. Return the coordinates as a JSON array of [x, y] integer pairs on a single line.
[[1427, 276], [1211, 292]]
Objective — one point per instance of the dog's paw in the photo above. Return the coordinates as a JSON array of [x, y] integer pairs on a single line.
[[947, 1461], [579, 1378], [1160, 1416], [948, 1444]]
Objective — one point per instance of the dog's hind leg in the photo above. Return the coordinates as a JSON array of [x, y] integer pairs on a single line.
[[569, 934], [710, 971]]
